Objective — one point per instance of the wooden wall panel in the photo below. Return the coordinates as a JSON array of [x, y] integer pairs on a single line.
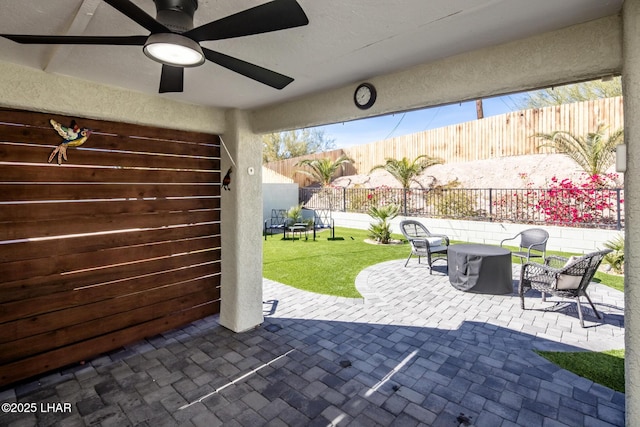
[[32, 153], [29, 366], [65, 211], [86, 287], [120, 242], [27, 249], [42, 174]]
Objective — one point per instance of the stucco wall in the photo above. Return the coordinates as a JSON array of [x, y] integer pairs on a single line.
[[580, 52], [631, 92], [242, 227], [34, 90], [278, 196]]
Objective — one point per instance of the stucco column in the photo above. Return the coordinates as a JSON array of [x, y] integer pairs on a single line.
[[631, 92], [241, 307]]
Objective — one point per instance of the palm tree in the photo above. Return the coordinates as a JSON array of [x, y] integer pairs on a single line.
[[323, 170], [381, 230], [593, 153], [406, 171]]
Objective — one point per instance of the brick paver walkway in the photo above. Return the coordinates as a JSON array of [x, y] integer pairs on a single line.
[[414, 351]]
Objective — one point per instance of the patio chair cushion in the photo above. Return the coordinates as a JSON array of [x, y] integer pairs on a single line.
[[566, 281], [576, 275], [436, 244], [423, 243]]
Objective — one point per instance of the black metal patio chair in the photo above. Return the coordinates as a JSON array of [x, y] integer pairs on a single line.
[[562, 277], [424, 243], [276, 224], [322, 220], [533, 244]]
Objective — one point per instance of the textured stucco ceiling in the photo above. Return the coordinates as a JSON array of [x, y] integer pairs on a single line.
[[345, 41]]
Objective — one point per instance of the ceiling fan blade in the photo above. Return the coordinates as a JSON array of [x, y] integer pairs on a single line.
[[171, 79], [103, 40], [272, 16], [255, 72], [138, 15]]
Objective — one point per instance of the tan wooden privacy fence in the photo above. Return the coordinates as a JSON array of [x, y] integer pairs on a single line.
[[505, 135], [120, 243]]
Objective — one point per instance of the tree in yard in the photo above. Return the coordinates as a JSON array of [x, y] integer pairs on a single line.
[[594, 152], [576, 92], [294, 143], [323, 170], [406, 171]]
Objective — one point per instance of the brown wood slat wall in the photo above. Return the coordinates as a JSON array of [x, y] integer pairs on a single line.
[[120, 243]]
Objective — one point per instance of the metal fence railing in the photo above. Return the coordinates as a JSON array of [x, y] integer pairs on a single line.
[[578, 207]]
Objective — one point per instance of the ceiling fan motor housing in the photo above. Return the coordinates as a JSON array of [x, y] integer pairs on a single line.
[[177, 15]]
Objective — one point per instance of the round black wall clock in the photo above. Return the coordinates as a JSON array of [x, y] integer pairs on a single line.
[[364, 96]]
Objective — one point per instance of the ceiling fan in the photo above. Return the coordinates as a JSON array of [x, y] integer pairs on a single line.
[[174, 42]]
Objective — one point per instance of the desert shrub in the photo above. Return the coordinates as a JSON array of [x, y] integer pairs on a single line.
[[450, 201], [294, 215], [358, 198], [361, 199], [381, 230], [515, 205], [512, 205], [456, 204], [616, 258]]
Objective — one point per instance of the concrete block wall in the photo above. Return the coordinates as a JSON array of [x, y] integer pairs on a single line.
[[565, 239]]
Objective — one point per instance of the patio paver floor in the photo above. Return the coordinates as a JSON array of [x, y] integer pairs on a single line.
[[415, 351]]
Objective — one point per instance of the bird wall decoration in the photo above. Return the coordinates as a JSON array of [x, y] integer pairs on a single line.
[[74, 136], [227, 180]]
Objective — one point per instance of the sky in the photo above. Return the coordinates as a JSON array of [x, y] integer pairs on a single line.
[[374, 129]]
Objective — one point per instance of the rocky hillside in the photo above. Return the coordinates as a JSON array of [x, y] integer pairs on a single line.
[[505, 172]]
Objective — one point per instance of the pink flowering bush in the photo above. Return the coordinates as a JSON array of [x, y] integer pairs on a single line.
[[590, 200]]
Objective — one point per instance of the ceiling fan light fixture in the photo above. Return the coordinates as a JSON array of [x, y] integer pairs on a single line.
[[173, 49]]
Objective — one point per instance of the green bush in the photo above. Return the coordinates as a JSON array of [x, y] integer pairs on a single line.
[[381, 230], [616, 258], [359, 198], [295, 214], [454, 204]]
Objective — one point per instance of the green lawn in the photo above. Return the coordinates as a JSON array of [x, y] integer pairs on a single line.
[[330, 267], [611, 280], [606, 368], [325, 266]]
